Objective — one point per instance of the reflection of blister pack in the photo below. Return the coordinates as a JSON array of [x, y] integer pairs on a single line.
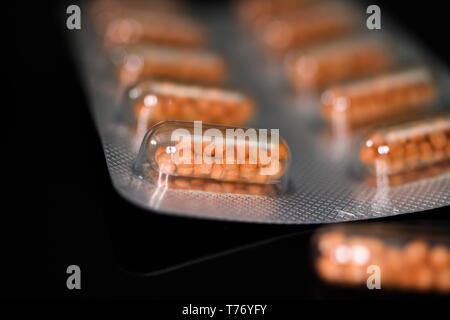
[[325, 183]]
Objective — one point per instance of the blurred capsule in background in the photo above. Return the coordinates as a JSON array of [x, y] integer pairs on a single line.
[[152, 101], [107, 8], [250, 12], [409, 258], [395, 94], [159, 28], [102, 12], [220, 153], [342, 59], [309, 25], [137, 61], [413, 147]]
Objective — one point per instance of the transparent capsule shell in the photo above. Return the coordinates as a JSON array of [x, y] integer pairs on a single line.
[[307, 26], [338, 60], [155, 100], [404, 257], [214, 152], [383, 97], [144, 60], [408, 146]]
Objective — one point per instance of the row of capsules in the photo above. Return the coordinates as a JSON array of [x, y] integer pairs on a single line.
[[174, 84], [360, 83]]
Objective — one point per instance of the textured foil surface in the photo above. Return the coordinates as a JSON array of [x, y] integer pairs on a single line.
[[326, 184]]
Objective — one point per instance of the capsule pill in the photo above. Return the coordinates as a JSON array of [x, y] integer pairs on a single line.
[[409, 146], [338, 60], [368, 101], [158, 28], [154, 101], [307, 26], [138, 61], [219, 153], [253, 11]]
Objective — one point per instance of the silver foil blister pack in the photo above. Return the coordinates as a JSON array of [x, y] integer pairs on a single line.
[[325, 181]]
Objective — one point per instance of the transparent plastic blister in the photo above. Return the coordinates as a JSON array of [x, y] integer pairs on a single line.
[[138, 61], [325, 181], [225, 154], [338, 60], [153, 100]]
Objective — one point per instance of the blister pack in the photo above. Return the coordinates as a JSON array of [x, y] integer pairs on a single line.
[[324, 172]]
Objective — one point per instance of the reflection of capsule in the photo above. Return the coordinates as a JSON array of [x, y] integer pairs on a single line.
[[338, 60], [407, 258], [227, 154], [250, 11], [154, 101], [159, 28], [409, 176], [306, 26], [408, 146], [137, 61], [209, 185], [379, 98]]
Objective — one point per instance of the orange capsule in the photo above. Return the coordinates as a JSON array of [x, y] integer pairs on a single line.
[[379, 98], [254, 11], [338, 60], [393, 149], [307, 26], [163, 28], [189, 149], [141, 60], [153, 101]]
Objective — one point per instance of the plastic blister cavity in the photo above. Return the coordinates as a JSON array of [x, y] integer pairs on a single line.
[[218, 153], [379, 98], [158, 28], [141, 60], [312, 24], [154, 100], [252, 12], [407, 258], [338, 60], [408, 147]]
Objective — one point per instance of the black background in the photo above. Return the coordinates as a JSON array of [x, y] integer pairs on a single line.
[[68, 212]]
